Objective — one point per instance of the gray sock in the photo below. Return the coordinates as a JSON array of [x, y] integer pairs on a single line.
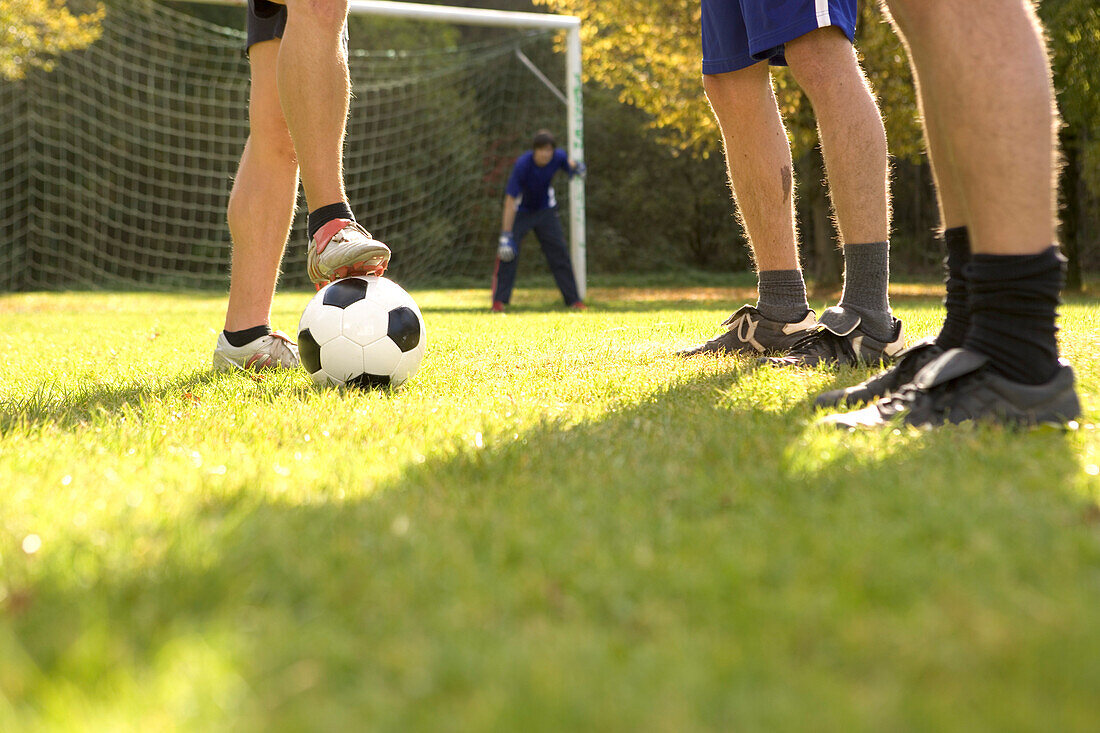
[[866, 280], [782, 295]]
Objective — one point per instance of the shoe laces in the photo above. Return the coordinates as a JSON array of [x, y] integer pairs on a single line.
[[278, 346], [823, 342], [340, 236]]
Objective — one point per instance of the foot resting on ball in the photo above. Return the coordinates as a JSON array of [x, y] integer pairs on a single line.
[[342, 248]]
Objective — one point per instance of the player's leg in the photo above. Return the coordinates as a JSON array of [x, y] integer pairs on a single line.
[[551, 238], [504, 279], [853, 143], [995, 116], [957, 321], [758, 161], [314, 89], [261, 209]]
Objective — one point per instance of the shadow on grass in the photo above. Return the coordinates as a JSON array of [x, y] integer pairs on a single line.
[[677, 560]]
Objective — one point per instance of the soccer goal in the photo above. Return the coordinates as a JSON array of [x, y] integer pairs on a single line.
[[115, 168]]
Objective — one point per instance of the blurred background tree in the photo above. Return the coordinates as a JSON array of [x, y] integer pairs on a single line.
[[658, 198], [34, 32], [1073, 27], [647, 52]]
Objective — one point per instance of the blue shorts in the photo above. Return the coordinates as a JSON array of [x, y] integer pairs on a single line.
[[740, 33]]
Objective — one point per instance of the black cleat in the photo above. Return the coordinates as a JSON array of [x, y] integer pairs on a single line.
[[907, 364], [959, 386], [750, 332], [839, 341]]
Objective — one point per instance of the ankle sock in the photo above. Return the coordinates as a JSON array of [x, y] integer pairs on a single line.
[[957, 300], [1013, 306], [248, 335], [866, 287], [782, 295], [319, 217]]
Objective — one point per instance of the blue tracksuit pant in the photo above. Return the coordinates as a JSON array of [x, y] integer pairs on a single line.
[[547, 227]]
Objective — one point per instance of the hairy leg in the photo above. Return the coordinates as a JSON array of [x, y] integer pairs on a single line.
[[314, 89], [758, 158], [261, 205], [986, 88], [853, 140]]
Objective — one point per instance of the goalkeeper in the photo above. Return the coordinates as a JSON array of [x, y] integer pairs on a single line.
[[297, 114], [529, 204]]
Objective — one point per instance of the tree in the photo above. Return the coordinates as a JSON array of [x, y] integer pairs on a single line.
[[33, 32], [648, 50], [1073, 27]]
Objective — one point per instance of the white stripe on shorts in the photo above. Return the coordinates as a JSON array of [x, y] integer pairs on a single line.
[[822, 7]]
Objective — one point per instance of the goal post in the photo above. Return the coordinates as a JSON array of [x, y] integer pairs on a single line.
[[573, 82]]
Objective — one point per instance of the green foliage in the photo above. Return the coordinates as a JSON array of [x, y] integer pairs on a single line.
[[34, 32], [1073, 30], [557, 525], [649, 53]]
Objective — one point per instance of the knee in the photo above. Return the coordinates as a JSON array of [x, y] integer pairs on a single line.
[[271, 143], [735, 87], [328, 15], [915, 17], [820, 58]]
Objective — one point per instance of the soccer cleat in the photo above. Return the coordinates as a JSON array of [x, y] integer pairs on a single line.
[[839, 341], [750, 332], [342, 248], [907, 364], [498, 307], [959, 386], [274, 351], [578, 306]]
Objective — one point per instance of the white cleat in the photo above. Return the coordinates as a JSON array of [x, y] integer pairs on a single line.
[[342, 248], [274, 351]]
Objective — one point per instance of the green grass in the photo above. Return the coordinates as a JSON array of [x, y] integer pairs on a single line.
[[556, 525]]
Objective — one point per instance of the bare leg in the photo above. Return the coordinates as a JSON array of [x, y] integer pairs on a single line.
[[261, 205], [997, 125], [993, 139], [758, 158], [314, 89], [853, 140]]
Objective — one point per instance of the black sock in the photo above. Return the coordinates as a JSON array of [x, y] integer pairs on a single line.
[[319, 217], [1013, 306], [248, 335], [957, 322]]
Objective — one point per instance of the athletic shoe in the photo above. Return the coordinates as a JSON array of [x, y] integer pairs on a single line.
[[748, 331], [959, 386], [342, 248], [907, 364], [274, 351], [498, 307], [840, 341], [579, 306]]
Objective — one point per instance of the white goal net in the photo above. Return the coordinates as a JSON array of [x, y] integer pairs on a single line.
[[115, 168]]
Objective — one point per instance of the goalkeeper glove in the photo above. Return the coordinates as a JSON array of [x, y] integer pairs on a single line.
[[506, 247], [581, 170]]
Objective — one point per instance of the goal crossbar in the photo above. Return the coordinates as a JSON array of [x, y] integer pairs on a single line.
[[573, 83]]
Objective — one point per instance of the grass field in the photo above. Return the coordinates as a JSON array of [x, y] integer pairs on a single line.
[[556, 525]]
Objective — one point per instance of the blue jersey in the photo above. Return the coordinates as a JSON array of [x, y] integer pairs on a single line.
[[531, 184]]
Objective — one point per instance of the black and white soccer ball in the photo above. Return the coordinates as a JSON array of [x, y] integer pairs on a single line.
[[361, 331]]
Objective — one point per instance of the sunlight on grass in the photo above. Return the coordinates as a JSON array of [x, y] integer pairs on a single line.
[[556, 520]]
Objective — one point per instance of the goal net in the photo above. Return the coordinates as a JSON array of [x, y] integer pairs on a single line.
[[116, 167]]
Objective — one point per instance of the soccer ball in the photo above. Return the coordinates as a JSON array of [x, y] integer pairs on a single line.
[[361, 331]]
